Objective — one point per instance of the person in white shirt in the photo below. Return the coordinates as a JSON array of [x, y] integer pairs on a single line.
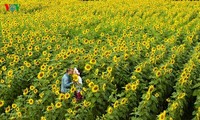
[[78, 84]]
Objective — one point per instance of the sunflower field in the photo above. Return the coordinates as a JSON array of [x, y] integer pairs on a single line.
[[140, 59]]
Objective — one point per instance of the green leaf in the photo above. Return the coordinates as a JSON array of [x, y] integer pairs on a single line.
[[93, 100], [113, 99], [196, 85], [89, 94], [154, 99], [196, 92], [154, 108], [97, 95], [110, 117], [99, 100], [134, 118]]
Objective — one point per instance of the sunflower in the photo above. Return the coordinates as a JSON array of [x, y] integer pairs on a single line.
[[162, 115], [43, 118], [22, 67], [44, 53], [168, 100], [104, 87], [84, 32], [37, 48], [182, 81], [87, 81], [95, 88], [49, 48], [115, 49], [85, 103], [47, 59], [35, 91], [99, 41], [87, 67], [173, 56], [10, 73], [75, 77], [39, 101], [91, 84], [30, 53], [96, 29], [77, 58], [67, 95], [57, 82], [151, 88], [115, 59], [16, 60], [2, 81], [25, 91], [74, 101], [116, 104], [49, 108], [19, 114], [110, 110], [84, 89], [183, 74], [69, 110], [172, 61], [138, 69], [43, 67], [96, 71], [55, 74], [36, 62], [123, 101], [158, 73], [148, 95], [28, 65], [58, 104], [40, 75], [30, 101], [134, 87], [109, 69], [58, 46], [126, 56], [157, 95], [170, 70], [30, 47], [133, 77], [92, 61], [50, 68], [61, 96], [14, 105], [54, 90], [128, 87], [73, 89], [41, 95], [4, 68], [174, 106], [102, 34], [181, 95], [32, 87], [1, 103], [7, 109]]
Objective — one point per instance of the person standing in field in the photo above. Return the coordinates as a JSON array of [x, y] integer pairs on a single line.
[[78, 84], [66, 81]]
